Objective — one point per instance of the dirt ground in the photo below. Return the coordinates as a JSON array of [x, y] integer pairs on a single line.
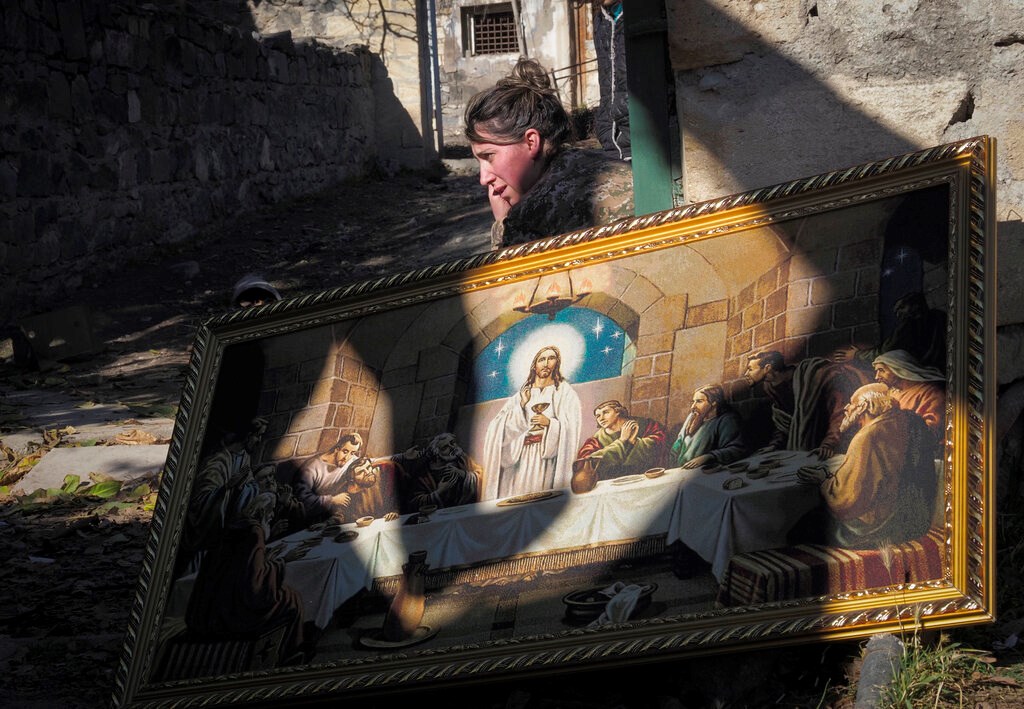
[[70, 573]]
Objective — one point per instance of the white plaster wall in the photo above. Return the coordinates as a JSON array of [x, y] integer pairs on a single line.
[[547, 39], [774, 91]]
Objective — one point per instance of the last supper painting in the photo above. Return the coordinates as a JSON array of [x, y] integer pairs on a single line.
[[758, 419]]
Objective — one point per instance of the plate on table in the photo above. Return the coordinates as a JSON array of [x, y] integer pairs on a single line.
[[778, 455], [627, 479], [739, 466], [346, 536], [529, 497]]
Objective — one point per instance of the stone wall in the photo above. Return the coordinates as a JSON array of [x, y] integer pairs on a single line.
[[398, 31], [314, 395], [128, 128], [394, 30], [774, 91]]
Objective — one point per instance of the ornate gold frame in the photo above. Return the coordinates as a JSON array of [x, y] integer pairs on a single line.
[[962, 594]]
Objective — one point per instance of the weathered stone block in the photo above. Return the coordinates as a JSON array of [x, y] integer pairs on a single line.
[[8, 180], [706, 313], [858, 311], [314, 417], [808, 320], [58, 95], [34, 174], [864, 253], [839, 286]]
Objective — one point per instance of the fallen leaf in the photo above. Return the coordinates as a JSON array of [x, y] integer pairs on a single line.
[[105, 489], [135, 437]]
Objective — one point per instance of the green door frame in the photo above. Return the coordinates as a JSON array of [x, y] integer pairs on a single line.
[[657, 157]]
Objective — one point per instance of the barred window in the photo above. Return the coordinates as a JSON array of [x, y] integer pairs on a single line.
[[490, 29]]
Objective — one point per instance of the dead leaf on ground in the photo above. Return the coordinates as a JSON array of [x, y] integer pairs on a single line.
[[135, 437]]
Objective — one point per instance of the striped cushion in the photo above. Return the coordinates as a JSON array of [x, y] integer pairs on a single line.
[[185, 656], [808, 570]]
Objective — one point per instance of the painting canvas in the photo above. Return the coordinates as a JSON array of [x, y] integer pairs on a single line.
[[760, 419]]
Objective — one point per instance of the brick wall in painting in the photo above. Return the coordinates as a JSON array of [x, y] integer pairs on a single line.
[[317, 400]]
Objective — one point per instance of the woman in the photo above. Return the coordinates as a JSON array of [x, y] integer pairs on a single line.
[[538, 187]]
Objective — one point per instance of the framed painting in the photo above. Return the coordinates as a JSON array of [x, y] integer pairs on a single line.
[[757, 420]]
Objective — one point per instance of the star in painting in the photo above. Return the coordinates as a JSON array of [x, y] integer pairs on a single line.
[[607, 350], [887, 272], [598, 328], [493, 374], [902, 256], [617, 334], [499, 348]]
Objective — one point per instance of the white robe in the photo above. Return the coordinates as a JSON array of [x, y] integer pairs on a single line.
[[513, 468]]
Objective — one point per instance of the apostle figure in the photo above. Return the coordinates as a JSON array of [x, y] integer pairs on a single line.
[[222, 477], [371, 489], [914, 387], [531, 444], [712, 432], [623, 444], [441, 474], [240, 587], [807, 400], [322, 483], [885, 489]]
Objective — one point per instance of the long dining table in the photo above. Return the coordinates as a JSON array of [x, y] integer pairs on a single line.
[[557, 527]]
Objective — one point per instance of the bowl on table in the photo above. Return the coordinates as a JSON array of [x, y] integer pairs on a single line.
[[364, 521], [587, 605], [654, 473]]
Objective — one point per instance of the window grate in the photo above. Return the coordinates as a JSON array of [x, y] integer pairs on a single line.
[[491, 29]]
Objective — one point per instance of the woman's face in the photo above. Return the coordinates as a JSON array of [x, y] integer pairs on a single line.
[[509, 171]]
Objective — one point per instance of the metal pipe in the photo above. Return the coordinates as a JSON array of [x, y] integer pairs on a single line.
[[519, 29], [435, 74]]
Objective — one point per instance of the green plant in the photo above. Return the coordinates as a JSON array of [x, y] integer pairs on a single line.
[[935, 675]]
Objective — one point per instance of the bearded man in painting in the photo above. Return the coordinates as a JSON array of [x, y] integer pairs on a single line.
[[441, 474], [712, 432], [914, 387], [884, 492]]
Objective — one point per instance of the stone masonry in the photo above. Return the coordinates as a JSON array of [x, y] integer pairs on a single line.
[[128, 128]]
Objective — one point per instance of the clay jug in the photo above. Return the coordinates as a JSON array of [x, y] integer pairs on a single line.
[[584, 475], [406, 610]]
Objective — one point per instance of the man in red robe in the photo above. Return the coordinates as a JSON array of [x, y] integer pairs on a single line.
[[914, 387], [623, 445]]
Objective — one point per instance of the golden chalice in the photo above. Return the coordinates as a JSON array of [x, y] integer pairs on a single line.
[[536, 432]]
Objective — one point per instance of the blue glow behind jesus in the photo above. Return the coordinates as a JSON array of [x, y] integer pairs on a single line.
[[591, 345]]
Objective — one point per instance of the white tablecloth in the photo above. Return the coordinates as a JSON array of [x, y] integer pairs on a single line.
[[687, 505], [717, 523]]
